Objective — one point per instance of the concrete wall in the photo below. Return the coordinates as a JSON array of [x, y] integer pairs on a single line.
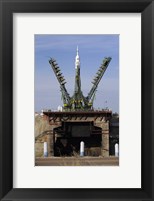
[[105, 137]]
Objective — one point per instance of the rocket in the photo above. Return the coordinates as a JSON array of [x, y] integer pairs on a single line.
[[78, 101], [77, 97]]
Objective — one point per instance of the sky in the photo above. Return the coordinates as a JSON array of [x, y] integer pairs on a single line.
[[92, 50]]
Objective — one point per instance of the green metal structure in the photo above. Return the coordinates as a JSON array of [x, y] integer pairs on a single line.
[[78, 101]]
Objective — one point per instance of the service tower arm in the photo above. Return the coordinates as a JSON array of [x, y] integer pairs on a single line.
[[62, 82], [97, 79]]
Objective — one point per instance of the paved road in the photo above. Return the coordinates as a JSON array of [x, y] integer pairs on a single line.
[[77, 161]]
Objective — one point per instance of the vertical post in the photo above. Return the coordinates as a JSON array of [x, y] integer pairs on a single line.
[[81, 148], [45, 149], [51, 141], [116, 146], [49, 144], [105, 139]]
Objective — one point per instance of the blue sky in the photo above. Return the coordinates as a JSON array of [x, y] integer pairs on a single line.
[[92, 50]]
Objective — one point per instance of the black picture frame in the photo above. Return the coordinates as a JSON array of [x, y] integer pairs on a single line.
[[7, 8]]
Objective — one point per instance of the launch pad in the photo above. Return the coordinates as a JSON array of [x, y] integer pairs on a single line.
[[70, 128]]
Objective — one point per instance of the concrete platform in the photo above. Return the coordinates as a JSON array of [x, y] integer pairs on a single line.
[[77, 161]]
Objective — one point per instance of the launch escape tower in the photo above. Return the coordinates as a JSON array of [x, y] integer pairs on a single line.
[[78, 102]]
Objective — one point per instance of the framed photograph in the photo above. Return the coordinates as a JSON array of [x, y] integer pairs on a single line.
[[63, 136]]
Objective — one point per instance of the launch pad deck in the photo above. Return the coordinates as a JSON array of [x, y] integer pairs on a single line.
[[79, 114]]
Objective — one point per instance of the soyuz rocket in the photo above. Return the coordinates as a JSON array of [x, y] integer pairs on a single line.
[[77, 98], [78, 101]]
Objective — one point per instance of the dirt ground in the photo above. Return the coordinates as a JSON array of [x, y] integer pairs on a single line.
[[77, 161]]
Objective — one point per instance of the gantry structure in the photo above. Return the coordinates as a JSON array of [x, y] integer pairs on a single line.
[[78, 102]]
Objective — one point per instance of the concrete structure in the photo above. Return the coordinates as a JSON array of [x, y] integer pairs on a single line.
[[91, 127]]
